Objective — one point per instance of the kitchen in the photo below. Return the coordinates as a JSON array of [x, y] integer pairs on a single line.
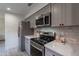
[[40, 29], [53, 30]]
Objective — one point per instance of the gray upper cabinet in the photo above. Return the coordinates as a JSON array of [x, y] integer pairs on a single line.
[[65, 14], [56, 14], [44, 10], [32, 22], [67, 21], [61, 14], [75, 14]]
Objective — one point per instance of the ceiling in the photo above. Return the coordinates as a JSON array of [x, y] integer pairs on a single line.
[[19, 8]]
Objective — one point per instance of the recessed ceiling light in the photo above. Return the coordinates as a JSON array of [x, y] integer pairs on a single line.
[[8, 8]]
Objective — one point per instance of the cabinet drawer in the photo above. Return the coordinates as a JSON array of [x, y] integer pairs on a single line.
[[27, 49], [27, 40], [48, 52], [27, 46]]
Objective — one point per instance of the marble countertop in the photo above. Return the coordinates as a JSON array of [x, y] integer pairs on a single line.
[[67, 49], [30, 36]]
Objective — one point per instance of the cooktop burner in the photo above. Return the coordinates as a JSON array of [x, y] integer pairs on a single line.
[[40, 41], [43, 39]]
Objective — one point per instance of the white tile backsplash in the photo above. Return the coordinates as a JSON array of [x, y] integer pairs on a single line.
[[69, 32]]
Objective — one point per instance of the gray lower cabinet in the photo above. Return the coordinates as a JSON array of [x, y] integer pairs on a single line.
[[27, 45], [49, 52]]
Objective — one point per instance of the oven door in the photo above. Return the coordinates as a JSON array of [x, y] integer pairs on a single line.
[[36, 49]]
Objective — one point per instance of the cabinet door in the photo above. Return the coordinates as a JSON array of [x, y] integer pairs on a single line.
[[53, 22], [32, 21], [44, 10], [61, 14], [48, 52], [66, 14], [56, 14], [75, 14]]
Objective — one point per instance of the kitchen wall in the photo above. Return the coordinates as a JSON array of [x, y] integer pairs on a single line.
[[2, 26], [70, 33], [11, 31]]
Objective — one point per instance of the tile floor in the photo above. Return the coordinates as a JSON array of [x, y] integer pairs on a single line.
[[3, 53], [2, 47], [19, 53]]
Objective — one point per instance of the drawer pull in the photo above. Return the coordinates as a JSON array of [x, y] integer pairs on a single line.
[[60, 24], [53, 55]]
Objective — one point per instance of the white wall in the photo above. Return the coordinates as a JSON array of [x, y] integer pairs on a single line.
[[11, 31]]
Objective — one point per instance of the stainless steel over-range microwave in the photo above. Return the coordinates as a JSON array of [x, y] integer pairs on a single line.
[[44, 20]]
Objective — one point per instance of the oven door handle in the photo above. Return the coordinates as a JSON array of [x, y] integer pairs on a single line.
[[36, 48]]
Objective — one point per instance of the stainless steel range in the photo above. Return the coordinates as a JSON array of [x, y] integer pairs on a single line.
[[37, 44]]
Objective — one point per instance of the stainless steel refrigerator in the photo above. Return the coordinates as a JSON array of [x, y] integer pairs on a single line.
[[24, 30]]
